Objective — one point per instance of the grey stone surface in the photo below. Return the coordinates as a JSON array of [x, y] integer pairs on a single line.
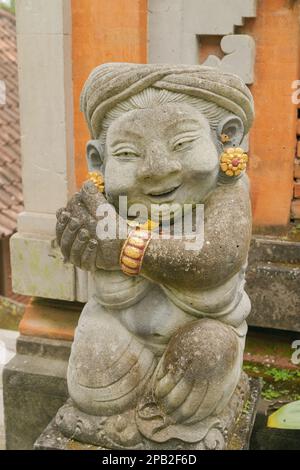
[[7, 352], [174, 25], [47, 144], [38, 268], [273, 280], [34, 387], [239, 56], [53, 439], [157, 357]]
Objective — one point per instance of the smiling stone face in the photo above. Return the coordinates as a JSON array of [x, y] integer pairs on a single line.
[[161, 155]]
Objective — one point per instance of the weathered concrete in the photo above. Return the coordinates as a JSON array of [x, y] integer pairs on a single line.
[[53, 439], [45, 83], [273, 280], [39, 270], [7, 352], [34, 384]]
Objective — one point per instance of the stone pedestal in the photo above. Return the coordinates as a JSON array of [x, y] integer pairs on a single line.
[[34, 381], [53, 439]]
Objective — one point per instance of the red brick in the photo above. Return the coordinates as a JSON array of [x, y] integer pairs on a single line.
[[296, 209]]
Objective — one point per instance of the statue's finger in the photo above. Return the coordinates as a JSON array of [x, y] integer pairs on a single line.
[[63, 217], [177, 396], [68, 237], [91, 197], [78, 247], [189, 407], [88, 258], [74, 203], [165, 385]]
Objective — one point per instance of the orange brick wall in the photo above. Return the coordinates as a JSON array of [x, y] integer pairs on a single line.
[[103, 31], [273, 138], [116, 30], [296, 202]]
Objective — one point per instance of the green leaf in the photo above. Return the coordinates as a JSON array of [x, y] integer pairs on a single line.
[[287, 417]]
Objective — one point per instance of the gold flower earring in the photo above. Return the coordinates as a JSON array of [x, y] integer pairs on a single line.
[[233, 160], [98, 180]]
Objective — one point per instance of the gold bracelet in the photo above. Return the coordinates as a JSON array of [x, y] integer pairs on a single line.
[[133, 251]]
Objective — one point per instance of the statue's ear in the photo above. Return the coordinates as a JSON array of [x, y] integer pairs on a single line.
[[94, 155], [233, 127]]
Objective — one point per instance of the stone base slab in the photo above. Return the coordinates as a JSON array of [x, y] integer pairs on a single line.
[[53, 439], [273, 279], [34, 388]]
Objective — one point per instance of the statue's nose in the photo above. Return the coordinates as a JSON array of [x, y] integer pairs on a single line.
[[158, 163]]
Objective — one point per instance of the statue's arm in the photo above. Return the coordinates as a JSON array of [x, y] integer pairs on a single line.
[[227, 232]]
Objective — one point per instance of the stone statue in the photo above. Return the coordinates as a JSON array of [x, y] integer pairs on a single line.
[[157, 358]]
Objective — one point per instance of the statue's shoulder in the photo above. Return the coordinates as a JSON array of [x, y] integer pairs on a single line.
[[230, 193]]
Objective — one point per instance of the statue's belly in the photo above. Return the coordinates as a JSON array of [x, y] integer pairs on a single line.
[[154, 313]]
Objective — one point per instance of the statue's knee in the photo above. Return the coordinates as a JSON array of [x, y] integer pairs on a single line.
[[107, 364], [204, 348]]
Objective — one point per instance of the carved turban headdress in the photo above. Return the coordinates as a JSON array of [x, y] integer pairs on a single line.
[[110, 84]]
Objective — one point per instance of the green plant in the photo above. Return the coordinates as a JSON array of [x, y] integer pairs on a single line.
[[280, 375], [251, 368], [270, 394]]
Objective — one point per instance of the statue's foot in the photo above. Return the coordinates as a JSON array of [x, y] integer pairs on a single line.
[[211, 433], [110, 432], [192, 396], [121, 431]]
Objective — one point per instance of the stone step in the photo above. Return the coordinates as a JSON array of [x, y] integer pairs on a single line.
[[273, 280], [8, 340]]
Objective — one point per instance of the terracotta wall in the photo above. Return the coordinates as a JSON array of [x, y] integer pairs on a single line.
[[296, 201], [116, 30], [103, 31], [273, 138]]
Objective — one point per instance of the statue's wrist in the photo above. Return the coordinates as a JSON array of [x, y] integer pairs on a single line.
[[133, 251]]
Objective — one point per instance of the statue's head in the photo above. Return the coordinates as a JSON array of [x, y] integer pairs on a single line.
[[156, 129]]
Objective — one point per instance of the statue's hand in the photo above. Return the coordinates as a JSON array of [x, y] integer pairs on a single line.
[[174, 391], [76, 228]]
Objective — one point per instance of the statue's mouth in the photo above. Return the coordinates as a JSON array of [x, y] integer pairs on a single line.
[[163, 193]]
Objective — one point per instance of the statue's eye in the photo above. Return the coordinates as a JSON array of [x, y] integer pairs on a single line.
[[182, 143], [178, 146], [125, 154]]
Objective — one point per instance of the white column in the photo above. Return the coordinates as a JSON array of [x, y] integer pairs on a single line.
[[46, 108]]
